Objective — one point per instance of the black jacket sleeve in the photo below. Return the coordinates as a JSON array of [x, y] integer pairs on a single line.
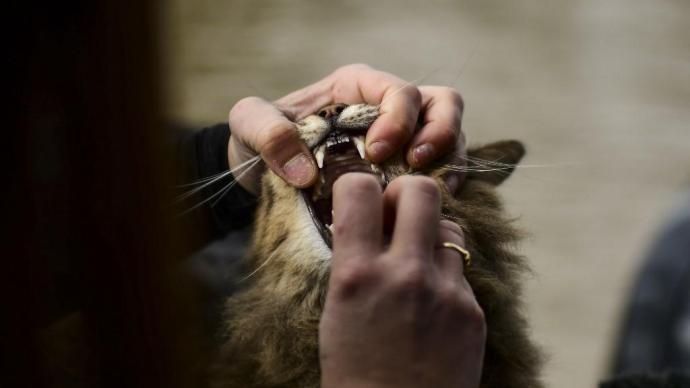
[[201, 155]]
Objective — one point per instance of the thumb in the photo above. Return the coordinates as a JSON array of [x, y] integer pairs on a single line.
[[265, 129]]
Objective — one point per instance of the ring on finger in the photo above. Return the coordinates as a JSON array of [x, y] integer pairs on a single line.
[[464, 253]]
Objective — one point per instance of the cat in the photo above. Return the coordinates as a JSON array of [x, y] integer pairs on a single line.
[[271, 327]]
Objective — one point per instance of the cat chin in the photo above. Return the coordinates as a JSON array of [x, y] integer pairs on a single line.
[[304, 235], [313, 237]]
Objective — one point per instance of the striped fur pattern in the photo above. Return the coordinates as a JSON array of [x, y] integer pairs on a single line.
[[271, 331]]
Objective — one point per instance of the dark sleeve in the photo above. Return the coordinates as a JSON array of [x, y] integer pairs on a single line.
[[654, 333], [649, 380], [216, 207]]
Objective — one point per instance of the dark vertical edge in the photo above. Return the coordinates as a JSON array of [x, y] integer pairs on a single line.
[[87, 189]]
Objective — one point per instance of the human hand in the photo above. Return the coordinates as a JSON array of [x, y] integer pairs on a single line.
[[401, 315], [268, 128]]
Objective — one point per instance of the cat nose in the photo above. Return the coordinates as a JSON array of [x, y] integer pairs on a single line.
[[331, 111]]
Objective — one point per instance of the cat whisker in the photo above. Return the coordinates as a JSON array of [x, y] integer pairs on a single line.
[[469, 158], [202, 180], [482, 167], [213, 179], [190, 193], [223, 192], [485, 163], [260, 266], [472, 169], [225, 189], [422, 78], [464, 64]]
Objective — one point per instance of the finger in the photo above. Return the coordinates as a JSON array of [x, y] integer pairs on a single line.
[[396, 123], [266, 129], [357, 217], [449, 262], [417, 202], [249, 177], [456, 173], [399, 104], [307, 100], [441, 131]]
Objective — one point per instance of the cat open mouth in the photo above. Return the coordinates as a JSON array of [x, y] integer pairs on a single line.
[[339, 152], [273, 321]]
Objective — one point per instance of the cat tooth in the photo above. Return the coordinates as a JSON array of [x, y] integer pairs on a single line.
[[330, 227], [320, 153], [359, 142]]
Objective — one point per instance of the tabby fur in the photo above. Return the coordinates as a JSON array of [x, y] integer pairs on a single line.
[[271, 328]]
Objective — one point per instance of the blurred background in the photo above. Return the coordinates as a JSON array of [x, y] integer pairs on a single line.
[[598, 91]]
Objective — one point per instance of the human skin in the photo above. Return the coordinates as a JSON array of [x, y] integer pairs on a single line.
[[399, 312], [395, 316], [268, 128]]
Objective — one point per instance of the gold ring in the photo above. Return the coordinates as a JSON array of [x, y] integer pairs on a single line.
[[466, 257]]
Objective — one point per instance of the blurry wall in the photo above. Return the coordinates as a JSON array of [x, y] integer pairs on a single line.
[[599, 92]]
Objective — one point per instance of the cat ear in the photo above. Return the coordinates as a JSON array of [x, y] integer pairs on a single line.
[[494, 162]]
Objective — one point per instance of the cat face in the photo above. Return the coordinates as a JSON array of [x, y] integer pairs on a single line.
[[273, 327], [297, 222]]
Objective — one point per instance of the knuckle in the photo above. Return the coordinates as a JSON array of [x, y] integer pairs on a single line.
[[452, 227], [473, 315], [445, 93], [358, 184], [276, 134], [397, 87], [449, 135], [454, 96], [346, 282], [353, 68], [413, 93], [449, 94], [414, 281], [425, 185], [243, 106], [449, 296]]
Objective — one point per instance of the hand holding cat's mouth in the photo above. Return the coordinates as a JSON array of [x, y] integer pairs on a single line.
[[339, 153]]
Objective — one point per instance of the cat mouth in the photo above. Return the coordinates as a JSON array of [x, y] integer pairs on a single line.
[[339, 153]]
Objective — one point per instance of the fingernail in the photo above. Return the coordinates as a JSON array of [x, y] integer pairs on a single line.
[[299, 170], [422, 154], [379, 150]]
